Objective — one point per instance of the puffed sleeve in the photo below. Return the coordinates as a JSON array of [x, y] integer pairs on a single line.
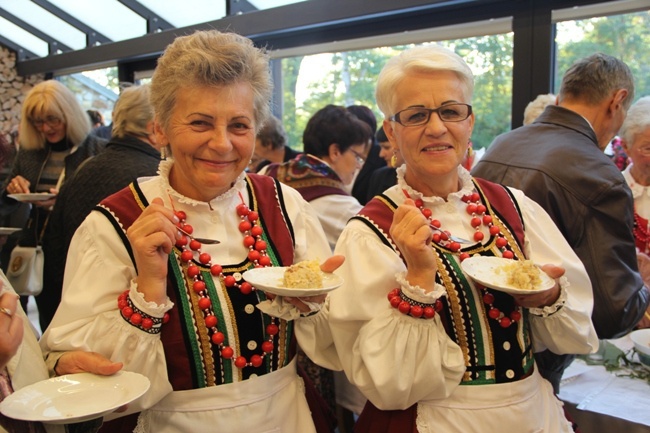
[[567, 329], [395, 360], [98, 270]]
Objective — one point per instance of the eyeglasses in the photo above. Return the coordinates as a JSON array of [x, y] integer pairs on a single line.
[[51, 121], [360, 158], [415, 116]]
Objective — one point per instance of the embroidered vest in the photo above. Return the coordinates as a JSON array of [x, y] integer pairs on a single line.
[[492, 354]]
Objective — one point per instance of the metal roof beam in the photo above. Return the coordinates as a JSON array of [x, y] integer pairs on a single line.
[[93, 37], [54, 45], [155, 23], [21, 52], [238, 7]]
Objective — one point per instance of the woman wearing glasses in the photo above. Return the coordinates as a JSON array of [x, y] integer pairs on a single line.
[[432, 350], [54, 140]]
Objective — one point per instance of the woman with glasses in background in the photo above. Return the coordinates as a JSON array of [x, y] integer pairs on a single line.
[[431, 349], [54, 139]]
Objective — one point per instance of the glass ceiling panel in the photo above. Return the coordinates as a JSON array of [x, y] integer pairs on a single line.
[[187, 12], [109, 17], [45, 22], [26, 40], [269, 4]]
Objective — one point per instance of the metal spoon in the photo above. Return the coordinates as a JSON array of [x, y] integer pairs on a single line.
[[205, 241], [451, 237]]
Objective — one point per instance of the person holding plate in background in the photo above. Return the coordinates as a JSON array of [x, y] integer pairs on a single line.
[[430, 348], [179, 310], [54, 139]]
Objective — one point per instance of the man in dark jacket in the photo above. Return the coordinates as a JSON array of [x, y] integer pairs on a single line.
[[558, 161]]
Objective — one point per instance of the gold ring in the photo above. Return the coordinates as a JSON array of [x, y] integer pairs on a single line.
[[7, 311]]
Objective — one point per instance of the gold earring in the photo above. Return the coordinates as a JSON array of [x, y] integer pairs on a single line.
[[163, 153], [393, 161]]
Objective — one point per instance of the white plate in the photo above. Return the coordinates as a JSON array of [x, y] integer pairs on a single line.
[[641, 340], [5, 231], [35, 196], [485, 270], [74, 397], [271, 280]]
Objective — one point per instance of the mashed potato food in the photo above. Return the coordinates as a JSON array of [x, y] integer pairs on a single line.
[[304, 275], [522, 274]]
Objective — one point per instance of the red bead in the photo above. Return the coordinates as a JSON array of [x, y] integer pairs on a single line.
[[135, 318], [471, 208], [488, 298], [195, 245], [444, 236], [227, 352], [253, 255], [515, 315], [463, 256], [260, 245], [494, 313], [216, 270], [395, 301], [211, 321], [427, 213], [127, 312], [480, 209], [246, 288], [242, 209], [494, 230], [147, 323], [466, 198], [240, 361], [501, 242], [478, 236], [193, 271], [256, 360], [186, 256], [417, 311], [487, 220], [257, 231], [393, 293], [122, 303], [419, 202], [218, 338], [205, 258], [429, 312], [245, 226], [475, 197], [508, 254], [475, 222], [204, 303], [249, 241], [454, 246], [505, 322], [181, 242], [229, 281], [181, 215], [267, 347], [436, 238], [198, 286], [404, 307], [435, 223], [272, 329], [253, 216], [437, 305], [165, 318], [188, 228], [265, 261]]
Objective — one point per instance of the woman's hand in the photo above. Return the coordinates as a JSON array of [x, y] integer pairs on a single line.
[[547, 297], [329, 265], [18, 185], [11, 328], [78, 361], [411, 233], [152, 237]]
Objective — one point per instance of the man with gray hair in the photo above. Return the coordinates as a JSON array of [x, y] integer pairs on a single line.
[[558, 161]]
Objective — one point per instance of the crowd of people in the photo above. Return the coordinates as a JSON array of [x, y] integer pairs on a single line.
[[148, 236]]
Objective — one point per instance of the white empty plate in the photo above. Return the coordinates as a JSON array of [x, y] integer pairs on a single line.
[[272, 280], [5, 231], [35, 196], [74, 397], [488, 271]]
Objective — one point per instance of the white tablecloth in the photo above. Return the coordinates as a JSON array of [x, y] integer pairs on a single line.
[[601, 401]]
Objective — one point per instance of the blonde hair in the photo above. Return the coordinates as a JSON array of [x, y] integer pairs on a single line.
[[536, 106], [51, 98], [211, 58], [133, 112], [427, 58]]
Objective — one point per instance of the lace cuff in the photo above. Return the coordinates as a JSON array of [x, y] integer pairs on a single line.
[[150, 308], [549, 310], [417, 293]]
